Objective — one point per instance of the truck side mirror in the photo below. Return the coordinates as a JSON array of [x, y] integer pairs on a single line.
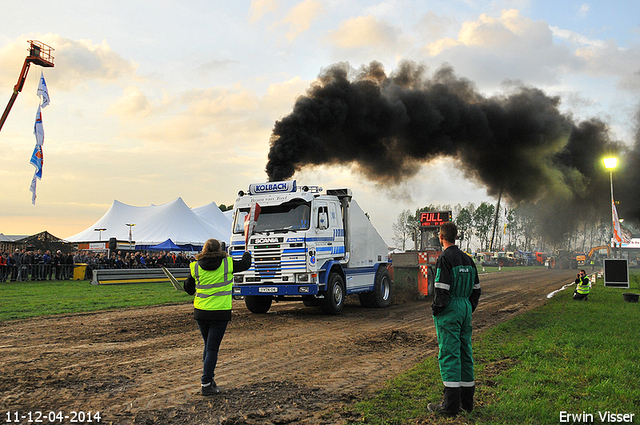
[[322, 220]]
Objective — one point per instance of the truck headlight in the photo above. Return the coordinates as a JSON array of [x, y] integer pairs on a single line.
[[236, 291], [238, 279], [303, 289], [303, 277]]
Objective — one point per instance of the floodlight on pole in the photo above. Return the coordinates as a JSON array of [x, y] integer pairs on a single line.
[[102, 229], [130, 238], [610, 164]]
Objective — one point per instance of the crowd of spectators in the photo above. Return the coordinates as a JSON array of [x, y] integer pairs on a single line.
[[23, 265]]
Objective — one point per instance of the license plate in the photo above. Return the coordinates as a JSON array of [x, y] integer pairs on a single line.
[[269, 289]]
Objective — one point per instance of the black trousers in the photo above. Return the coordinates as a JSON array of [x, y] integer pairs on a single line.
[[212, 334]]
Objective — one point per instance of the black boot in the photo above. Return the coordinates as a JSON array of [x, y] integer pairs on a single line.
[[466, 398], [210, 389], [450, 406]]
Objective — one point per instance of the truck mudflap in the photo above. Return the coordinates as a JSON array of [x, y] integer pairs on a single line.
[[288, 290], [361, 279]]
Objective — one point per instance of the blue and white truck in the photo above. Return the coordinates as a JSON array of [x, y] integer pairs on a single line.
[[308, 245]]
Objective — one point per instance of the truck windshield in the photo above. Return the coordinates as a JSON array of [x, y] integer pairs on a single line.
[[292, 215]]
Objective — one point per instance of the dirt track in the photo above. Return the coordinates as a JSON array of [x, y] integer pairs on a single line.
[[291, 365]]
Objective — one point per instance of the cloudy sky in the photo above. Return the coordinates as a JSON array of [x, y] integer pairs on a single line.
[[154, 100]]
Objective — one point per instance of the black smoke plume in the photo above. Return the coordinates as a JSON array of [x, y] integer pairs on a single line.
[[519, 143]]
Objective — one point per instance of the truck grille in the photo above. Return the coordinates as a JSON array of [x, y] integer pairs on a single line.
[[268, 261]]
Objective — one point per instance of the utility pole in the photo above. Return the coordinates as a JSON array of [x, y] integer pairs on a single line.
[[495, 221]]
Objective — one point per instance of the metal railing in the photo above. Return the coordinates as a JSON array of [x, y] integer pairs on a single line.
[[39, 272]]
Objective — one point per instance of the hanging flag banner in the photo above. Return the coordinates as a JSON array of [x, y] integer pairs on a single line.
[[626, 235], [38, 128], [43, 92], [37, 158], [618, 235], [32, 188]]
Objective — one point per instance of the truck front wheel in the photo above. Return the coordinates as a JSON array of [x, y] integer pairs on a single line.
[[258, 305], [333, 301]]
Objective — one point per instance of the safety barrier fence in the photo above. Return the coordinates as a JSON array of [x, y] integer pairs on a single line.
[[121, 276], [38, 272], [34, 272]]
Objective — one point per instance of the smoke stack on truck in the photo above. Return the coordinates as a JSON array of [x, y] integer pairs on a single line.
[[308, 245]]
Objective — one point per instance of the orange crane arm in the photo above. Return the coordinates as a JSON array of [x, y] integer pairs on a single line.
[[16, 89], [40, 54]]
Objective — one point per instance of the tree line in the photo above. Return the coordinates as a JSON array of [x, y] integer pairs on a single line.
[[516, 228]]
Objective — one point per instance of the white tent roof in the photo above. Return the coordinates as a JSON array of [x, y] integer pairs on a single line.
[[212, 214], [13, 238], [229, 215], [157, 223]]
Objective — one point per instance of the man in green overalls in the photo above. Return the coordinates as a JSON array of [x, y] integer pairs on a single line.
[[457, 291]]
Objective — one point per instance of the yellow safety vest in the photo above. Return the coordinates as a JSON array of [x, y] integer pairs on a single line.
[[583, 288], [213, 287]]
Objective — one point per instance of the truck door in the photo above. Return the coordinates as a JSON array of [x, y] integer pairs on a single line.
[[323, 232], [335, 222]]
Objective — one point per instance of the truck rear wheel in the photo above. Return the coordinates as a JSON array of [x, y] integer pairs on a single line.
[[258, 305], [380, 297], [333, 301]]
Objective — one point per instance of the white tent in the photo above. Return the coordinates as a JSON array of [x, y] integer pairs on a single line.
[[157, 223], [229, 215], [212, 214]]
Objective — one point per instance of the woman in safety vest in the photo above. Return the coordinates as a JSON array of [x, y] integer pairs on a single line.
[[211, 280]]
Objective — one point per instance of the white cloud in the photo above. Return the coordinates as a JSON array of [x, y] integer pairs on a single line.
[[384, 9], [215, 66], [488, 31], [575, 38], [132, 104], [512, 46], [489, 50], [259, 8], [213, 118], [12, 56], [300, 18], [280, 97], [432, 26], [367, 34], [604, 58], [83, 61], [219, 102], [584, 9]]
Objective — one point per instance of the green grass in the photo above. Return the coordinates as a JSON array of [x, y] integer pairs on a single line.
[[563, 356], [22, 300]]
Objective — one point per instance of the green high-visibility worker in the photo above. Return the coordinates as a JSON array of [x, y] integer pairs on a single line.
[[457, 291], [211, 282], [583, 286]]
